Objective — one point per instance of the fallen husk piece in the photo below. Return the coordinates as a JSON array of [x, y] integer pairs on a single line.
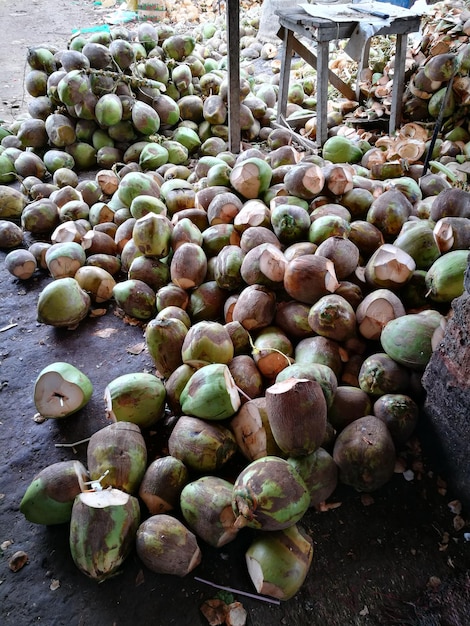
[[278, 562], [166, 546], [102, 531], [50, 496], [60, 390], [217, 611]]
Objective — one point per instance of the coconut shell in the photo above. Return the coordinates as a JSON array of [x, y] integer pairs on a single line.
[[365, 454]]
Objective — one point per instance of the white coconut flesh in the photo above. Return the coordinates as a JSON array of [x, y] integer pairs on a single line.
[[261, 585], [232, 389], [104, 498], [56, 397]]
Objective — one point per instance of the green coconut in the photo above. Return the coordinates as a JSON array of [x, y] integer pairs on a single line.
[[201, 445], [340, 149], [60, 390], [278, 562], [12, 201], [206, 504], [207, 342], [166, 546], [211, 393], [408, 339], [117, 456], [103, 528], [63, 303], [269, 494], [50, 496], [445, 278], [136, 397], [164, 338]]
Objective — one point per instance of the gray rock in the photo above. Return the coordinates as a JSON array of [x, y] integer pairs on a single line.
[[447, 405]]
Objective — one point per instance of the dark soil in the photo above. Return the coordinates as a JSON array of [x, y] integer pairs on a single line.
[[400, 558]]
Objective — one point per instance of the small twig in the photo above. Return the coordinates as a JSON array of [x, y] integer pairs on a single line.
[[72, 445], [242, 593], [2, 330], [306, 143], [243, 393]]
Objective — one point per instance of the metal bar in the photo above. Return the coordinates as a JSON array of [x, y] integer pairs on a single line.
[[233, 43], [438, 124], [288, 37], [322, 92]]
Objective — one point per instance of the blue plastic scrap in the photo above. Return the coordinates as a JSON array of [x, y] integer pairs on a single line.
[[92, 29]]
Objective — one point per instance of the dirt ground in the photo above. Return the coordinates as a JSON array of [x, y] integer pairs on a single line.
[[399, 558]]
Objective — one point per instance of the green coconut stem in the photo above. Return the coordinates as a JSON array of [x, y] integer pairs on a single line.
[[256, 350], [439, 167]]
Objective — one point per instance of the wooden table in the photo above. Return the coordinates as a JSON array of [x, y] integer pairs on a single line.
[[321, 31]]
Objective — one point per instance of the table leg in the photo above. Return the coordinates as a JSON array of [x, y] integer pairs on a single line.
[[287, 36], [398, 83], [322, 92], [363, 63]]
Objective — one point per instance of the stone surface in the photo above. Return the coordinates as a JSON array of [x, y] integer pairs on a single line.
[[447, 406]]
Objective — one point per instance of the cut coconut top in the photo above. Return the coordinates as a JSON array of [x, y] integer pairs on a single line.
[[56, 397], [104, 498]]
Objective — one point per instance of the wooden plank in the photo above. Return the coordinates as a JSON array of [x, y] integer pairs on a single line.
[[233, 43], [322, 32], [333, 78]]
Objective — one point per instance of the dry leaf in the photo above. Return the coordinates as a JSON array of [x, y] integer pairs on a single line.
[[6, 544], [55, 584], [400, 465], [455, 506], [459, 522], [137, 348], [18, 560], [364, 611], [140, 578], [97, 312], [434, 582], [367, 499], [214, 611], [327, 506], [105, 333]]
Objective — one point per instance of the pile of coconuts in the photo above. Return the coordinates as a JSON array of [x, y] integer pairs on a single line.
[[290, 303]]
